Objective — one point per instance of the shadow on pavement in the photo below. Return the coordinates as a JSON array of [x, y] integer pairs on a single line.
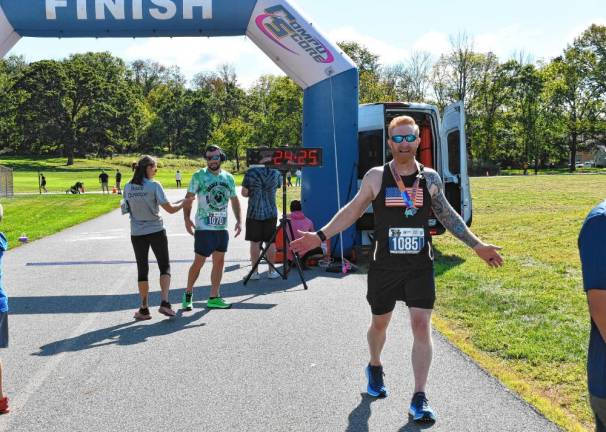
[[129, 333], [111, 303], [411, 426], [358, 418]]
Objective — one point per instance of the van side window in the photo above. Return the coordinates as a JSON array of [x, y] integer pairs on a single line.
[[454, 152], [370, 147]]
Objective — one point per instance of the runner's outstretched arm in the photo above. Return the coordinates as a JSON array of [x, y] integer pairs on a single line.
[[454, 223], [345, 217]]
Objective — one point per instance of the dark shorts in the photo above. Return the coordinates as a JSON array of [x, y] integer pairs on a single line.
[[385, 287], [260, 230], [3, 329], [206, 242], [599, 409]]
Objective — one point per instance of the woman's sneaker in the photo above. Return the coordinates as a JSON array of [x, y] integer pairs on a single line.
[[420, 409], [187, 301], [376, 386], [166, 309], [217, 303], [142, 314]]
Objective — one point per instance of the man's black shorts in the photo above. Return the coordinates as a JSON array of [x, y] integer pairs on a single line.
[[417, 289], [206, 242], [260, 230]]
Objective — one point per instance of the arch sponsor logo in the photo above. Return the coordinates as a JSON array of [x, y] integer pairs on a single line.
[[119, 10], [282, 27]]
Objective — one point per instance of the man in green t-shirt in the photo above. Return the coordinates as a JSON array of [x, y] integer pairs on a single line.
[[214, 188]]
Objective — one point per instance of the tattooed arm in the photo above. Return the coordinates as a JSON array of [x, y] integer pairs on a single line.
[[454, 223], [447, 215]]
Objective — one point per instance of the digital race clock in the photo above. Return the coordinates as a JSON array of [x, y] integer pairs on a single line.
[[285, 157]]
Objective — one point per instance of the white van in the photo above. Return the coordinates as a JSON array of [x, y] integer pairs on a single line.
[[442, 148]]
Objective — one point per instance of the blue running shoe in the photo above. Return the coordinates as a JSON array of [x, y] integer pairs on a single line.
[[420, 409], [376, 386]]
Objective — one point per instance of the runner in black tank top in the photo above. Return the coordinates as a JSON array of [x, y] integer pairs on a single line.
[[389, 209], [402, 263]]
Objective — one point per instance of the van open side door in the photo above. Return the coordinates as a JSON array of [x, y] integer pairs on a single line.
[[454, 162]]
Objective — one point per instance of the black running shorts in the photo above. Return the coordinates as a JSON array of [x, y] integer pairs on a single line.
[[260, 230], [385, 287], [208, 241]]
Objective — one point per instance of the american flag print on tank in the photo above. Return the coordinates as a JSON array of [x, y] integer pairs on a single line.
[[393, 197]]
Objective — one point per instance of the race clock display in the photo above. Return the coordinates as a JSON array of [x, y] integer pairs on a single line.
[[285, 157]]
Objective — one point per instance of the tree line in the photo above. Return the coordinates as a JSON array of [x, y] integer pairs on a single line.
[[518, 111]]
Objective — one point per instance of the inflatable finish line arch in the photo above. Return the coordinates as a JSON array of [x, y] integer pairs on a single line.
[[328, 77]]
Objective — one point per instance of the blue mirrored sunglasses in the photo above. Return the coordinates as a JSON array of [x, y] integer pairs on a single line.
[[400, 138], [214, 158]]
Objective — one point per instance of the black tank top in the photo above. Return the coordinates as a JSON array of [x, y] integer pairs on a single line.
[[389, 210]]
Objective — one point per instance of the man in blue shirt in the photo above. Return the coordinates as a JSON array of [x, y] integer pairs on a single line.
[[259, 186], [3, 316], [592, 247]]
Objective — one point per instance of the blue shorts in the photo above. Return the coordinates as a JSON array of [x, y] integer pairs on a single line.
[[206, 242], [3, 329]]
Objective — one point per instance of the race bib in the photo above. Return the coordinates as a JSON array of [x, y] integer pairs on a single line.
[[406, 240], [216, 219]]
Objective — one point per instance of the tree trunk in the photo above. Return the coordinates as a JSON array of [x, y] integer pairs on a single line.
[[573, 152]]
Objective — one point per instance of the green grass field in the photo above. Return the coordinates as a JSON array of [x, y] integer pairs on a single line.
[[60, 177], [40, 216], [527, 320], [526, 323]]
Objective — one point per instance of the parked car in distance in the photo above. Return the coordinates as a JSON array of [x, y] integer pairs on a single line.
[[588, 164], [579, 165]]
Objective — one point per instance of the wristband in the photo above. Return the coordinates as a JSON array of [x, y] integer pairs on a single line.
[[320, 234]]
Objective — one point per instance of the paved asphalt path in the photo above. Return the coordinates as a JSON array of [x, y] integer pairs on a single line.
[[282, 359]]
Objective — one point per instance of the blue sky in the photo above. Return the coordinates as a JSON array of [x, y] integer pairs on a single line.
[[390, 28]]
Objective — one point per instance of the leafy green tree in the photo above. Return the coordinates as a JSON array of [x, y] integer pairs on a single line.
[[275, 111], [42, 90], [571, 88], [234, 137]]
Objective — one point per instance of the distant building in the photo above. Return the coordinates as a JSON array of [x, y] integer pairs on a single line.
[[599, 156]]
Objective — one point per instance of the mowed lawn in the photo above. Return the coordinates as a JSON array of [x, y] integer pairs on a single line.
[[60, 177], [526, 322], [40, 216]]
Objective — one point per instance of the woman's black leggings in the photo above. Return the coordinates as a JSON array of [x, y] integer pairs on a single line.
[[159, 244]]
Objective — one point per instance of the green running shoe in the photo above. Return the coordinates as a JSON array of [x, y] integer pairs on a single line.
[[187, 302], [217, 303]]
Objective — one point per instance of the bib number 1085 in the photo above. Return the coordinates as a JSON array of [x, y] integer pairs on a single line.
[[406, 240]]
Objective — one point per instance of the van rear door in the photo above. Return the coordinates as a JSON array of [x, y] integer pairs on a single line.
[[454, 162]]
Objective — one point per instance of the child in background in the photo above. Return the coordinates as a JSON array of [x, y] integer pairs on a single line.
[[3, 317]]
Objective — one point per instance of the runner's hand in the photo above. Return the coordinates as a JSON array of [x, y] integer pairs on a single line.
[[190, 226], [307, 241], [489, 254], [238, 229]]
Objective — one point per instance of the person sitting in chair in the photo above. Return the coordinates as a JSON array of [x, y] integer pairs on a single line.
[[301, 223]]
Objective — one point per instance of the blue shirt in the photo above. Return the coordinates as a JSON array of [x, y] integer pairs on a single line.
[[261, 183], [3, 297], [592, 247]]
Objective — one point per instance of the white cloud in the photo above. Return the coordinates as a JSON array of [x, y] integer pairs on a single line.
[[194, 55], [388, 53], [435, 43]]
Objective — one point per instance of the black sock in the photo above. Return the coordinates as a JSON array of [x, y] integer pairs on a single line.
[[212, 298]]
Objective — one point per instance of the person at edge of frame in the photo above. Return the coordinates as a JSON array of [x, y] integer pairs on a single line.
[[402, 193], [592, 243]]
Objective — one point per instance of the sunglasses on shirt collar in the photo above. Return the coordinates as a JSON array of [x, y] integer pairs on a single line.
[[401, 138]]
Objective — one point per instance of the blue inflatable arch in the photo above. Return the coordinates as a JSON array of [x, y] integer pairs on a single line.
[[328, 77]]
